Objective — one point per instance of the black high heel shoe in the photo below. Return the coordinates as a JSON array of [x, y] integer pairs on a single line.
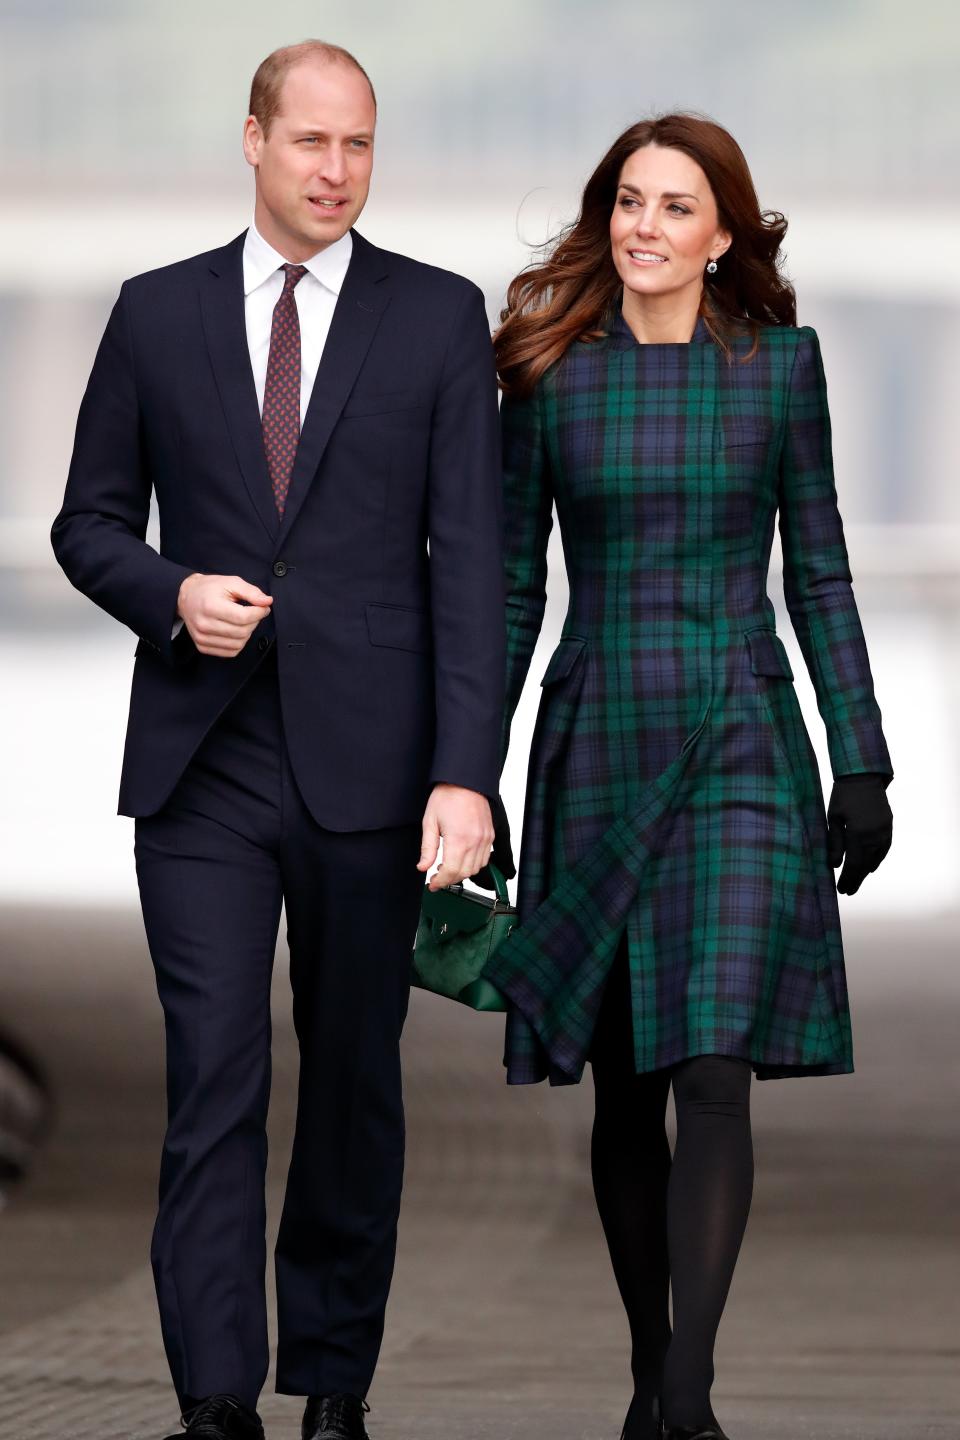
[[683, 1432], [657, 1422]]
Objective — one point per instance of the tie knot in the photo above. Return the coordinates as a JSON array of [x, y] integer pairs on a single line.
[[292, 275]]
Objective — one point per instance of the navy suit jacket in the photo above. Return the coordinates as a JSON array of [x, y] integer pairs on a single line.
[[386, 570]]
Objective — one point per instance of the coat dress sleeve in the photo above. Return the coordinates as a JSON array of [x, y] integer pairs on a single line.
[[99, 536], [528, 518], [816, 575]]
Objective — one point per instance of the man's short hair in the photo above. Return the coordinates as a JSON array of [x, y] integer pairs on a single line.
[[267, 84]]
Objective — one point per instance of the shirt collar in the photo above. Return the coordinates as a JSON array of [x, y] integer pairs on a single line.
[[260, 261]]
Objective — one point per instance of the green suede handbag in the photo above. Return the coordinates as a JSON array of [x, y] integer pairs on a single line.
[[458, 932]]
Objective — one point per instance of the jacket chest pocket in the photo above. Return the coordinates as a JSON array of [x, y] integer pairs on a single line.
[[385, 402]]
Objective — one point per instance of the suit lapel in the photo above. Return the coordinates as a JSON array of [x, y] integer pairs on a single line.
[[361, 303], [224, 327]]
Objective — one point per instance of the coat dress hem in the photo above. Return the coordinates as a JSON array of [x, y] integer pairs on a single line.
[[547, 1051]]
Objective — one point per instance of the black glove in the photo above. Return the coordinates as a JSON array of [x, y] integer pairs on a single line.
[[859, 827], [502, 853]]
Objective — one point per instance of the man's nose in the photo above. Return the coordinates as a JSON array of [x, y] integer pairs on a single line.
[[334, 167]]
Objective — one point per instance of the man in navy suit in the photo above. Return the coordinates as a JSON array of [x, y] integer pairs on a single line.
[[316, 701]]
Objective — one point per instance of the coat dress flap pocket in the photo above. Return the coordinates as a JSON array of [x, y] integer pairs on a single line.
[[399, 627], [740, 430], [563, 659], [767, 654]]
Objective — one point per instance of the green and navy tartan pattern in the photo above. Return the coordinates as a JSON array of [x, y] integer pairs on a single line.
[[672, 792]]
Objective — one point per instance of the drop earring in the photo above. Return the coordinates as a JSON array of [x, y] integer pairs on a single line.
[[712, 268]]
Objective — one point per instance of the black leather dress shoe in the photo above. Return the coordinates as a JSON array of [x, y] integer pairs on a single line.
[[334, 1417], [220, 1417]]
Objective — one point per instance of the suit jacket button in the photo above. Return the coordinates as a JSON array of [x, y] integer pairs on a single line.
[[263, 643], [279, 567]]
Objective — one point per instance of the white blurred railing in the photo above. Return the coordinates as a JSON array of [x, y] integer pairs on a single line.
[[828, 251]]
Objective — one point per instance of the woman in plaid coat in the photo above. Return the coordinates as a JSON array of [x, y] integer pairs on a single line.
[[679, 921]]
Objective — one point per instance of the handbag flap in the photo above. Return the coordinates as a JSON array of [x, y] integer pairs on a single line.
[[456, 912]]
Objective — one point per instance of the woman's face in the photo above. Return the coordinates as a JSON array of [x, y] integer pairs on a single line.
[[664, 227]]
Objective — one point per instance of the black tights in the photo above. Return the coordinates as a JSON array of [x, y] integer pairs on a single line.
[[669, 1224]]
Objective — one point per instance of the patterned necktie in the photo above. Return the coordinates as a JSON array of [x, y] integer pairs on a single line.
[[281, 392]]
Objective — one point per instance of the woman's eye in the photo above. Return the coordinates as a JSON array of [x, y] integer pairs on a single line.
[[679, 209], [627, 202]]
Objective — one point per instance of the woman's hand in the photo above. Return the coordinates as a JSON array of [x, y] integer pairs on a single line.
[[860, 828], [502, 855]]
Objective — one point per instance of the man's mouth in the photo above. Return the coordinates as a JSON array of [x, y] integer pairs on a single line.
[[324, 203]]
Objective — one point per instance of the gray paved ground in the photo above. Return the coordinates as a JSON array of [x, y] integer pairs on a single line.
[[843, 1321]]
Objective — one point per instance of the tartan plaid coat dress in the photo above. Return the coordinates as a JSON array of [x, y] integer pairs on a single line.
[[673, 796]]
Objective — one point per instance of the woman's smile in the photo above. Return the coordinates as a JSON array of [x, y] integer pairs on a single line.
[[647, 257]]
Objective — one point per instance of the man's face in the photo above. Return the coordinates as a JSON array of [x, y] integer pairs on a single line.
[[313, 170]]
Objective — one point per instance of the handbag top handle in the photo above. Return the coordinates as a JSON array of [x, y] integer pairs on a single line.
[[499, 884]]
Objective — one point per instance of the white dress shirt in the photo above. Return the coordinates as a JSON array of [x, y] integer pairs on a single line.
[[316, 296]]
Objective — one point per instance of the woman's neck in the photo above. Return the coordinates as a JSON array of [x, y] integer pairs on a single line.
[[662, 319]]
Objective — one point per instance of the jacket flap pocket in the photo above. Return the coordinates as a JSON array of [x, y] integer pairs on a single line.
[[767, 654], [563, 659], [399, 627]]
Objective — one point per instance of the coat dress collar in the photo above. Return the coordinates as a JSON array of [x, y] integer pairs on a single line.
[[621, 337]]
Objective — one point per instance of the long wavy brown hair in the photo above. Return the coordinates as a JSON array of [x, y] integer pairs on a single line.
[[575, 291]]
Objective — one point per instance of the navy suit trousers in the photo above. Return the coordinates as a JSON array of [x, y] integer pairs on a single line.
[[233, 843]]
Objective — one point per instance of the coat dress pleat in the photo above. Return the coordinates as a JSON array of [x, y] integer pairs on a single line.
[[673, 798]]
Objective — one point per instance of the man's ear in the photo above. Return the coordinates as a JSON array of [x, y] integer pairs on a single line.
[[252, 140]]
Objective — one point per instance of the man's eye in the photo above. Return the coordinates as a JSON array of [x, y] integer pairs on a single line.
[[360, 144]]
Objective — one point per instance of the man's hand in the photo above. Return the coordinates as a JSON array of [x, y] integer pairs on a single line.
[[221, 612], [462, 817]]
